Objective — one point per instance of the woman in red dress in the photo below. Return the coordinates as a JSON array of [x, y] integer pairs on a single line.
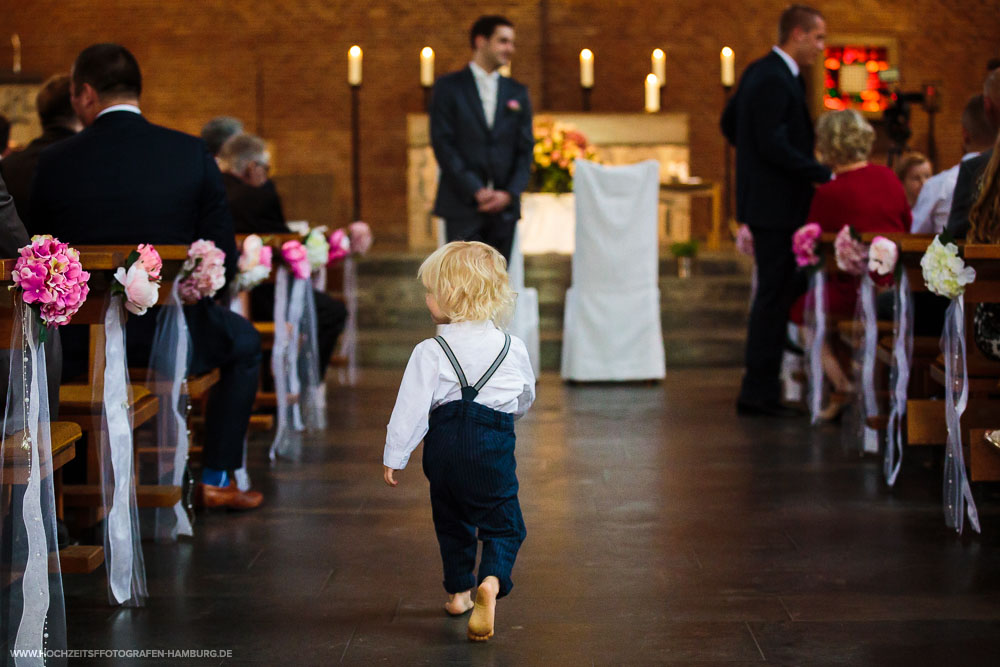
[[866, 196]]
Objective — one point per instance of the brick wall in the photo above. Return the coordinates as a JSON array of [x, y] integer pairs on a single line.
[[281, 66]]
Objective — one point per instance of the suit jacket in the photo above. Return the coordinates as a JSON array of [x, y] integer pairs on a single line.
[[256, 210], [12, 233], [967, 188], [18, 169], [469, 153], [124, 180], [768, 122]]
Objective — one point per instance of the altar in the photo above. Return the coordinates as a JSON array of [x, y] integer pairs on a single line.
[[548, 220]]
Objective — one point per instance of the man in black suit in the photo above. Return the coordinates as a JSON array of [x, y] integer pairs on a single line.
[[59, 121], [123, 180], [482, 137], [971, 170], [768, 121]]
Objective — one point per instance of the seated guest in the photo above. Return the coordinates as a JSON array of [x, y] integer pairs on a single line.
[[912, 170], [866, 196], [256, 209], [123, 180], [59, 121], [984, 227], [218, 130], [971, 170], [930, 213]]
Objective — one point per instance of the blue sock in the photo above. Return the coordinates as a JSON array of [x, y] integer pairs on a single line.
[[214, 477]]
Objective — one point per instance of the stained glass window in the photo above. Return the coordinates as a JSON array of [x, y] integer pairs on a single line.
[[851, 78]]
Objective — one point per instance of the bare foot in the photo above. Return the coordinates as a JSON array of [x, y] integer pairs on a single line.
[[484, 612], [459, 603]]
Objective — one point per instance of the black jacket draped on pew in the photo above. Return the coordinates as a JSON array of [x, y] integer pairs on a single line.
[[124, 180]]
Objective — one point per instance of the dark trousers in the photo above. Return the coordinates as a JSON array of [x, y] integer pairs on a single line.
[[496, 230], [778, 285], [331, 316], [469, 461]]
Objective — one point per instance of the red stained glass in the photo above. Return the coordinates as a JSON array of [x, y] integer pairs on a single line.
[[874, 97]]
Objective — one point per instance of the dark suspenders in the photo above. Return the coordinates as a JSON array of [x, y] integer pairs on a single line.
[[461, 374]]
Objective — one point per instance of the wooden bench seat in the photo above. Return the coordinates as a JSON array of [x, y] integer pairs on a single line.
[[16, 459], [76, 404], [197, 385], [146, 495]]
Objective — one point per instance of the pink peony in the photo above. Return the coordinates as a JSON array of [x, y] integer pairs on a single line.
[[851, 254], [297, 259], [203, 273], [266, 254], [360, 236], [804, 243], [141, 290], [340, 246], [150, 260], [882, 256]]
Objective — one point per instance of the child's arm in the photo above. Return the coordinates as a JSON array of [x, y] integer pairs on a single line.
[[519, 355], [408, 423]]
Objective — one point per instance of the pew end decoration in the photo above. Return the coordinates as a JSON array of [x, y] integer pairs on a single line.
[[296, 258], [946, 274], [850, 251], [805, 247], [139, 280], [203, 273], [255, 263], [883, 262], [317, 248], [51, 280]]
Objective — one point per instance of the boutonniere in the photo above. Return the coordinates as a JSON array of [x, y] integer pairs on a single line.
[[513, 105]]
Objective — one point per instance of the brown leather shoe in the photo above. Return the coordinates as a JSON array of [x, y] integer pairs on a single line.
[[229, 497]]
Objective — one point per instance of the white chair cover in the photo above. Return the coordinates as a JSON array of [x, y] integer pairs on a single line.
[[611, 329], [524, 322]]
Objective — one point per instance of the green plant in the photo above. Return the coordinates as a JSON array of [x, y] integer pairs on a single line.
[[684, 249]]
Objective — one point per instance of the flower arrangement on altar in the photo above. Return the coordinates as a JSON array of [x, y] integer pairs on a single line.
[[139, 280], [203, 272], [944, 271], [51, 279], [255, 263], [557, 146]]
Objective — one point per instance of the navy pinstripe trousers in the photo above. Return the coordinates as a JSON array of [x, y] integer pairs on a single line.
[[469, 461]]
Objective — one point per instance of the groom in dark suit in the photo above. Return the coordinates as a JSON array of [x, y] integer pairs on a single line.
[[768, 122], [483, 141], [123, 180]]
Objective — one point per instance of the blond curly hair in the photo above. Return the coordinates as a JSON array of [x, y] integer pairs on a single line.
[[468, 279], [844, 137]]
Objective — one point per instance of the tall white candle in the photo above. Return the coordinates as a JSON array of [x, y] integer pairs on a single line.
[[587, 68], [728, 60], [427, 66], [354, 57], [659, 62], [652, 93]]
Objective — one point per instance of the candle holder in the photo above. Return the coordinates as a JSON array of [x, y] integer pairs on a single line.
[[427, 98], [728, 157], [356, 151], [585, 95]]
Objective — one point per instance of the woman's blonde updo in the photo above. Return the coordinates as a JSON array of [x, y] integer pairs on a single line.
[[844, 137]]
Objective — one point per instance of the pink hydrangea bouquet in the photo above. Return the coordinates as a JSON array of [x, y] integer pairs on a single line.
[[317, 248], [744, 240], [850, 251], [340, 246], [360, 235], [51, 279], [203, 273], [297, 259], [255, 263], [805, 242], [139, 279]]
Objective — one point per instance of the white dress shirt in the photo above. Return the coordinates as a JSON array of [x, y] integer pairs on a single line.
[[930, 213], [120, 107], [487, 84], [792, 65], [430, 381]]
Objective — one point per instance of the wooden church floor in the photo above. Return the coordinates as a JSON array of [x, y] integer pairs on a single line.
[[662, 529]]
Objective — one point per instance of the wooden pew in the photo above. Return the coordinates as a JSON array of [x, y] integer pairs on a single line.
[[75, 559]]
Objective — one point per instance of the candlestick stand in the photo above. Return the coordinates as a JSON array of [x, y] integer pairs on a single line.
[[585, 93], [427, 98], [356, 151], [728, 195]]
